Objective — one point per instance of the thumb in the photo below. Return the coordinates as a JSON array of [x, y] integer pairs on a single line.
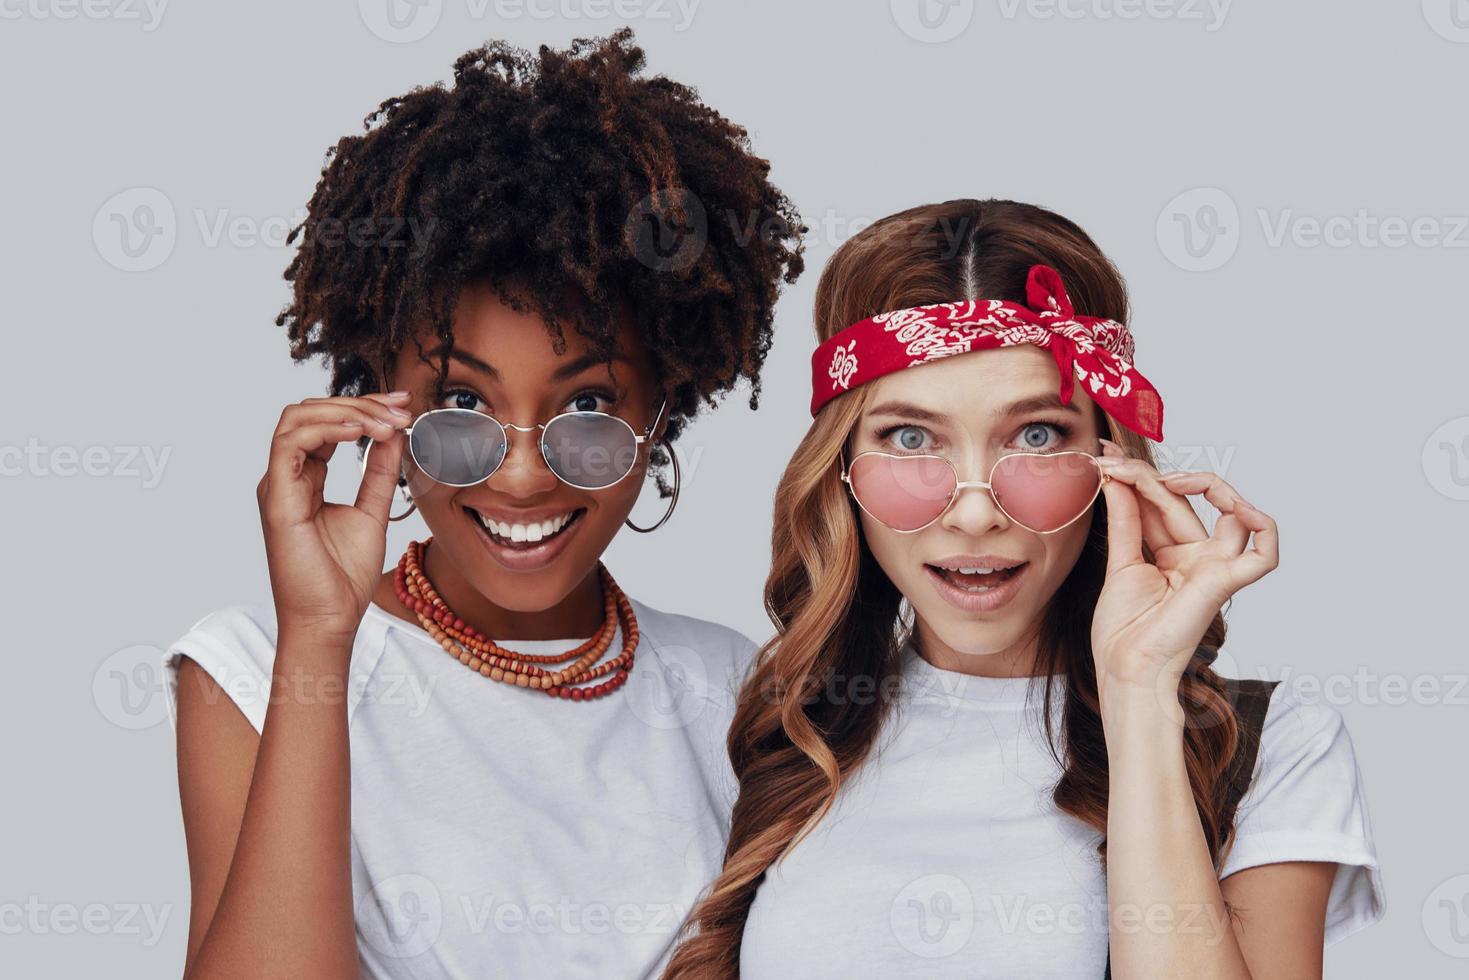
[[1124, 526], [380, 478]]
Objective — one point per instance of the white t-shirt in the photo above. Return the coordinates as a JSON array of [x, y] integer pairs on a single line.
[[945, 856], [500, 832]]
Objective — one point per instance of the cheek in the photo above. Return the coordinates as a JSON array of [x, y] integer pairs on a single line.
[[892, 551]]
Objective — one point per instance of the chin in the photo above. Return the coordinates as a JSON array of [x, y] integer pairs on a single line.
[[974, 636]]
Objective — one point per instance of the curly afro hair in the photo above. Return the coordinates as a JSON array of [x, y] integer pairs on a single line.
[[558, 180]]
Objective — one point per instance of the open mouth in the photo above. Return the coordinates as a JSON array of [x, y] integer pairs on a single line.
[[525, 537], [976, 579]]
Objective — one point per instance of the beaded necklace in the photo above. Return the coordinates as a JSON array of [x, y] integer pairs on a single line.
[[476, 651]]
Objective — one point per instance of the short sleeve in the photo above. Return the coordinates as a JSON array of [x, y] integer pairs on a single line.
[[1307, 803], [236, 647]]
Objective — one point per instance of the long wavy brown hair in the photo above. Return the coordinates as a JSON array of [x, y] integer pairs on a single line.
[[837, 615]]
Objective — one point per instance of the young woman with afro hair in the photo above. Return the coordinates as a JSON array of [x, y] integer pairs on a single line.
[[524, 283]]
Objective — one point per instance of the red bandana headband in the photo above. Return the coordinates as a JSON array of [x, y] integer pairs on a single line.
[[1097, 351]]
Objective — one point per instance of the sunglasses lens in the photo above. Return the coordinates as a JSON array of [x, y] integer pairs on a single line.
[[1044, 492], [903, 492], [589, 450], [457, 446]]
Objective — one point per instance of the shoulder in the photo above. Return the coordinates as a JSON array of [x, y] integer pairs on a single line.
[[235, 646], [1307, 802], [722, 654], [1301, 735]]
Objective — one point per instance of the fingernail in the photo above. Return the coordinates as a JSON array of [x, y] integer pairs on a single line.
[[397, 394], [398, 411]]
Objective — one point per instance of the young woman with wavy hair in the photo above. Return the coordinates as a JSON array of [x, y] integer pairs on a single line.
[[986, 740]]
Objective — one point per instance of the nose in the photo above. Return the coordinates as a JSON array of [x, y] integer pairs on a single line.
[[974, 510], [524, 472]]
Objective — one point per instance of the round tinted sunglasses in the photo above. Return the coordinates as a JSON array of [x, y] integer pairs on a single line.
[[460, 447], [1042, 492]]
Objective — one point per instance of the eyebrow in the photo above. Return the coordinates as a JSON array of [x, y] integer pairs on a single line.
[[561, 374], [1035, 403]]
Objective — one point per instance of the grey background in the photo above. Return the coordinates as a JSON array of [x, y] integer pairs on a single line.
[[1324, 379]]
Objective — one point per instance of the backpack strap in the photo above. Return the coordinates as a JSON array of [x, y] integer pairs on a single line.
[[1251, 700]]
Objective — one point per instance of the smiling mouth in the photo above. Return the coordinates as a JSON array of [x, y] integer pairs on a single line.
[[525, 537]]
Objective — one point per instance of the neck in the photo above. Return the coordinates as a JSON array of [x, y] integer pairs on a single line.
[[578, 614], [1016, 660]]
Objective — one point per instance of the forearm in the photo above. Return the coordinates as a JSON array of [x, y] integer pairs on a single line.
[[286, 909], [1167, 916]]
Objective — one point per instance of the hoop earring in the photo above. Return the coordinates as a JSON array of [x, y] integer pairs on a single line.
[[412, 504], [674, 503]]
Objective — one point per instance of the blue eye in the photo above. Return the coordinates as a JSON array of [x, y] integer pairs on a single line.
[[908, 438], [1033, 436]]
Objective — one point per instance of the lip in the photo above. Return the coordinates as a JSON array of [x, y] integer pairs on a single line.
[[526, 559], [978, 602]]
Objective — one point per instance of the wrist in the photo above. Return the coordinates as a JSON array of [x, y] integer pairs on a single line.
[[1142, 715]]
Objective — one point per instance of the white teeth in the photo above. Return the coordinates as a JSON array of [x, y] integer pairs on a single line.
[[975, 571], [530, 533]]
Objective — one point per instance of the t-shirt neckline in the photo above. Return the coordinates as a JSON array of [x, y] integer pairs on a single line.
[[524, 646], [922, 681]]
